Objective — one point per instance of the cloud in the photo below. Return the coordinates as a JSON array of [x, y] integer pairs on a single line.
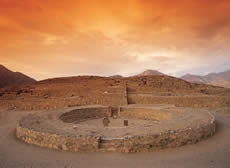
[[218, 26], [104, 37]]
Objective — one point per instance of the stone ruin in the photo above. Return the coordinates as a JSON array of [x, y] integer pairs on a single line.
[[60, 93], [121, 115], [150, 128], [106, 121]]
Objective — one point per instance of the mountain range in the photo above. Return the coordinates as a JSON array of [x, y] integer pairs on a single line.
[[10, 78], [219, 79]]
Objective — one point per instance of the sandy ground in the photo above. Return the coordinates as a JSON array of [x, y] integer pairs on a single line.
[[211, 153]]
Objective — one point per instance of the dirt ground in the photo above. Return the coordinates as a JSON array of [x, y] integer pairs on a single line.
[[211, 153]]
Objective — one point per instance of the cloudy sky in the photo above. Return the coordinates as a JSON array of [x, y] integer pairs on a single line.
[[51, 38]]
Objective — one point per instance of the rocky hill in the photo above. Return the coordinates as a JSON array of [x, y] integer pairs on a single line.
[[219, 79], [150, 72], [9, 78]]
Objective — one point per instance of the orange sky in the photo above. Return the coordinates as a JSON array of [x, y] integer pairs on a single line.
[[50, 38]]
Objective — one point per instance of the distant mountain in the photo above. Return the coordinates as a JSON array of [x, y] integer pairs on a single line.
[[193, 78], [9, 78], [219, 79], [150, 72], [116, 76]]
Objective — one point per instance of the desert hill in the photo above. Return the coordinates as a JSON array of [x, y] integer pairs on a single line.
[[116, 76], [219, 79], [9, 78], [150, 72]]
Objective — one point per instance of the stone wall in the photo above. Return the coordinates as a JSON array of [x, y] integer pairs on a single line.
[[57, 141], [83, 114], [143, 113], [169, 139], [180, 101], [58, 103]]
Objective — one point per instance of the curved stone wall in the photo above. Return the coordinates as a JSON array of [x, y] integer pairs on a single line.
[[82, 114], [49, 131], [89, 113], [168, 139], [55, 141]]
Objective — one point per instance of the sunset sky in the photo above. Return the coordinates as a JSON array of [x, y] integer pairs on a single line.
[[52, 38]]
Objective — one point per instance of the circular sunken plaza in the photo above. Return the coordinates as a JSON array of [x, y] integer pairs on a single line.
[[131, 128]]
